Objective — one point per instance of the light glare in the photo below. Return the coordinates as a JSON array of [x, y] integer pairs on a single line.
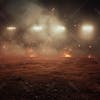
[[87, 28], [67, 56], [87, 32], [58, 29], [37, 28], [11, 28]]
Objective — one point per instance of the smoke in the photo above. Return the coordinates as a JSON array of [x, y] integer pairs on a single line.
[[12, 49], [38, 30]]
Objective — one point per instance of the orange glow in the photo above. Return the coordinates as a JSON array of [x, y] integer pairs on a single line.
[[67, 55], [30, 53]]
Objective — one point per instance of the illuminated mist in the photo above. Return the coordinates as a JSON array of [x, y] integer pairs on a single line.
[[42, 33], [34, 30]]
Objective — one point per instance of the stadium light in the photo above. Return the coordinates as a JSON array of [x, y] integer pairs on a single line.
[[37, 28], [87, 31], [11, 28]]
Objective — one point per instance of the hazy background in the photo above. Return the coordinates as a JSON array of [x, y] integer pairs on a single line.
[[25, 13]]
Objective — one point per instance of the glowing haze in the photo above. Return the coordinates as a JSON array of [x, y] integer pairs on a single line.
[[87, 32], [36, 30], [43, 33]]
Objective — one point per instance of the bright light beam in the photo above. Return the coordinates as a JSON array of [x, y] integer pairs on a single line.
[[11, 28], [58, 29], [37, 28], [66, 55], [87, 31], [87, 28]]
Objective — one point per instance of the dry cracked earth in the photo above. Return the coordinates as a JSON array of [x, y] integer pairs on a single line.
[[24, 78]]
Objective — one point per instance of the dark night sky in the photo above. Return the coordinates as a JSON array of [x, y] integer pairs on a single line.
[[71, 9], [89, 9]]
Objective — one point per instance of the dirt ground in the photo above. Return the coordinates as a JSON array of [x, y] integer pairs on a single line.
[[23, 78]]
